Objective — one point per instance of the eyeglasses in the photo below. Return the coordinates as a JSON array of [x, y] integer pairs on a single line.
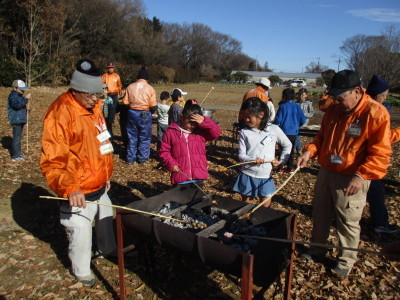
[[96, 95], [338, 97]]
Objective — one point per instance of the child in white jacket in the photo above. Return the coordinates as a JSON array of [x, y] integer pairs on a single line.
[[257, 143]]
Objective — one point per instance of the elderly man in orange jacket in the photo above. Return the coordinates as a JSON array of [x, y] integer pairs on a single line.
[[261, 92], [353, 147], [77, 163]]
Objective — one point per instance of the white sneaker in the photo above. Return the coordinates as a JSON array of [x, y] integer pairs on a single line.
[[88, 280], [20, 158]]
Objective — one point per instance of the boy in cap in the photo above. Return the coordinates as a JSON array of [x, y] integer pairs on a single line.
[[141, 99], [17, 115], [114, 85], [353, 147], [378, 90], [77, 163], [175, 110]]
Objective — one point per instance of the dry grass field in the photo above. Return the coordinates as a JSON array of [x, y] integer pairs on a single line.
[[33, 256]]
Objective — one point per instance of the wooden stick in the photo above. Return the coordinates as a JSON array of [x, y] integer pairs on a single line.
[[120, 207], [27, 132], [209, 198], [273, 194], [207, 95], [308, 243], [247, 162]]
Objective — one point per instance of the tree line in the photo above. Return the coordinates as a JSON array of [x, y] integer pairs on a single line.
[[41, 40]]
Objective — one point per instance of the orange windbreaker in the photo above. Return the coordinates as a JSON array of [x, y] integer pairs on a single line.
[[71, 158], [140, 95], [395, 135], [366, 155], [113, 82], [257, 92]]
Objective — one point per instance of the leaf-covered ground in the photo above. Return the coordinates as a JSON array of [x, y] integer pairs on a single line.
[[33, 257]]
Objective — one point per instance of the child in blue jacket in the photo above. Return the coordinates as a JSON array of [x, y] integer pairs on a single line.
[[17, 115], [289, 118]]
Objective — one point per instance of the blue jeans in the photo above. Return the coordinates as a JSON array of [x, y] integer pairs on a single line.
[[138, 129], [297, 143], [377, 206], [112, 107], [16, 141]]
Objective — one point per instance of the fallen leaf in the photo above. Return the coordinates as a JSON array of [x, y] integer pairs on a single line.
[[77, 285]]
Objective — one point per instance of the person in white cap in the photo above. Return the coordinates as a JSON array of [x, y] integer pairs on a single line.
[[261, 92], [17, 115], [77, 163]]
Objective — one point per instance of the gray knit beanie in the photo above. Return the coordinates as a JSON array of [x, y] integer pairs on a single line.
[[86, 78]]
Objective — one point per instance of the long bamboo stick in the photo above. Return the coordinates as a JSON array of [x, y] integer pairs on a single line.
[[229, 235], [243, 163], [213, 202], [273, 194], [121, 207]]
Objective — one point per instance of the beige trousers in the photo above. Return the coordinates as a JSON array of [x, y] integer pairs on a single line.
[[329, 199], [78, 224]]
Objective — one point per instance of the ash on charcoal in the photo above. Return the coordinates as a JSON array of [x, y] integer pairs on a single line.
[[242, 227], [195, 217]]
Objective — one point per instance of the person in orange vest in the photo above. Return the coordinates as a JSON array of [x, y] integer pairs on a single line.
[[77, 162], [353, 148], [261, 92], [114, 85]]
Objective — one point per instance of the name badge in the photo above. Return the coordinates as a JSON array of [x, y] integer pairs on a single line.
[[336, 159], [354, 130], [266, 140], [104, 136], [106, 149]]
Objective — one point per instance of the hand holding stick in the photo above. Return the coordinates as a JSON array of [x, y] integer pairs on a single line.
[[273, 194]]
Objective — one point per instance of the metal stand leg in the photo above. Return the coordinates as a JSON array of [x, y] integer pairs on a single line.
[[121, 263], [289, 268], [247, 276]]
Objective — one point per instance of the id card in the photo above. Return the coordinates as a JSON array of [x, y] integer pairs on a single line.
[[106, 149], [266, 140], [336, 159], [354, 130], [104, 136]]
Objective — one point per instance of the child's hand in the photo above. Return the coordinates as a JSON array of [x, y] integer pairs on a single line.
[[197, 118], [276, 163], [259, 161], [176, 169]]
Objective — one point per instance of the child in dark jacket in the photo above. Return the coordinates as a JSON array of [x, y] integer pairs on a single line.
[[183, 148], [17, 115]]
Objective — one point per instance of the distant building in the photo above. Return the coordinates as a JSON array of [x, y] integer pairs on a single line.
[[309, 78]]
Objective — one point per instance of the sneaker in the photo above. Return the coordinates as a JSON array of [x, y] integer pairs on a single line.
[[20, 158], [88, 280], [387, 229], [340, 272]]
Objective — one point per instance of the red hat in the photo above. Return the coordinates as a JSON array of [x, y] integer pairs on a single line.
[[110, 65]]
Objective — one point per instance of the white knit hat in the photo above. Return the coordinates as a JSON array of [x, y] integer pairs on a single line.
[[86, 78]]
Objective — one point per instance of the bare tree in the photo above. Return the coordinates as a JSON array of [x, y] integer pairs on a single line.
[[316, 67]]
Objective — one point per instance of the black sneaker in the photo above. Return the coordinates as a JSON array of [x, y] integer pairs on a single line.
[[387, 229]]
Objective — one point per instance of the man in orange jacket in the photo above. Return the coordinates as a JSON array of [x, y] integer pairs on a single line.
[[114, 85], [77, 163], [353, 147], [261, 92]]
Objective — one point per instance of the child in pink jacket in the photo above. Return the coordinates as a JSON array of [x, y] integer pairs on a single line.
[[183, 147]]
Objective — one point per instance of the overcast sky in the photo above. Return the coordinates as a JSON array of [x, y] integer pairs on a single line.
[[287, 34]]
